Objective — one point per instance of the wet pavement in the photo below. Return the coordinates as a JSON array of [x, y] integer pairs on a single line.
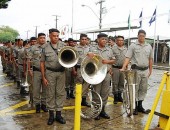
[[16, 113]]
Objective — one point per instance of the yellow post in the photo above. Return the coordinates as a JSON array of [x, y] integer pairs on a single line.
[[77, 107], [168, 125], [161, 86], [168, 82]]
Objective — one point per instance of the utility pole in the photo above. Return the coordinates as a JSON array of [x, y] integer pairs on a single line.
[[27, 33], [36, 30], [56, 19], [101, 11]]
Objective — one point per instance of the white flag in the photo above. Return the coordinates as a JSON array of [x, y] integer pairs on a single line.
[[169, 17]]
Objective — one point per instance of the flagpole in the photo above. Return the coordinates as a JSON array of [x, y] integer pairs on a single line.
[[154, 39], [129, 24]]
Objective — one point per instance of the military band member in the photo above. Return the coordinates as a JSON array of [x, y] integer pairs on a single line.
[[82, 50], [119, 52], [20, 67], [3, 48], [70, 77], [108, 58], [141, 58], [53, 75], [34, 55]]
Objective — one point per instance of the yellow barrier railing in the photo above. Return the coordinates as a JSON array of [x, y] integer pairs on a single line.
[[165, 79], [77, 107]]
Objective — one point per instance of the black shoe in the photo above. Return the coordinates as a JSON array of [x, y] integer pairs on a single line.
[[115, 98], [59, 118], [104, 115], [140, 107], [120, 99], [44, 108], [97, 118], [68, 94], [135, 112], [51, 117], [24, 92], [84, 103], [18, 84], [142, 110], [38, 108], [72, 94]]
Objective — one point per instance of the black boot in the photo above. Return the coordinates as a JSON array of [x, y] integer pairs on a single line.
[[140, 107], [68, 94], [135, 111], [104, 114], [23, 91], [44, 108], [59, 118], [51, 117], [18, 84], [120, 99], [115, 98], [37, 108], [84, 103], [72, 94]]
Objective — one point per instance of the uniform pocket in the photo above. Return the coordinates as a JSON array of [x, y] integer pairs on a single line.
[[50, 57], [147, 53]]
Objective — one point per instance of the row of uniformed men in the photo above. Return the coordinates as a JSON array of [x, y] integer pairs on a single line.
[[47, 69]]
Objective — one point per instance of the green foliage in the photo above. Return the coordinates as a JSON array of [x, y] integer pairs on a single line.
[[7, 33]]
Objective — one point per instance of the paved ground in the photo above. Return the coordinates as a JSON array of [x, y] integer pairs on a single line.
[[16, 113]]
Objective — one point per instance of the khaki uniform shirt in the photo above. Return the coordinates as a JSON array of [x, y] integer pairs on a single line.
[[119, 53], [105, 53], [21, 55], [50, 55], [140, 54], [34, 54], [82, 51]]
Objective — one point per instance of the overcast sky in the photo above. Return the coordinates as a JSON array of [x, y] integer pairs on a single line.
[[23, 15]]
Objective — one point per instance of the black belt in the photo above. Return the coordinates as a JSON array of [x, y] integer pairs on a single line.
[[62, 69], [139, 68], [119, 67], [20, 64], [36, 69]]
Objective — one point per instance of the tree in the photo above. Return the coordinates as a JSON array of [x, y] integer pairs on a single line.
[[7, 33], [4, 4]]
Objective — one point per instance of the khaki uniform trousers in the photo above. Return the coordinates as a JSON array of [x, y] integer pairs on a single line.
[[38, 96], [118, 80], [69, 79], [55, 91], [103, 89], [79, 79], [142, 85]]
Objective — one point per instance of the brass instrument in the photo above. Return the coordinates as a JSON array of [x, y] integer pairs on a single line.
[[68, 57], [93, 72]]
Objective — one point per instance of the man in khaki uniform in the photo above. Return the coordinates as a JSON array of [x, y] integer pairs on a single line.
[[119, 52], [53, 75], [82, 50], [3, 48], [20, 67], [69, 77], [34, 55], [141, 58], [103, 88]]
